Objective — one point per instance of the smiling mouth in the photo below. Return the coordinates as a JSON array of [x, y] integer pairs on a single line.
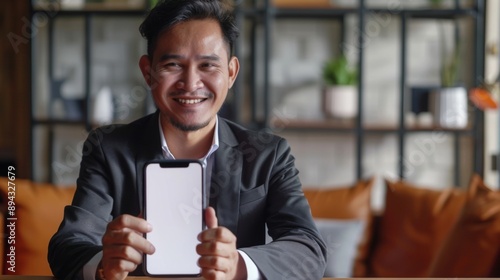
[[190, 101]]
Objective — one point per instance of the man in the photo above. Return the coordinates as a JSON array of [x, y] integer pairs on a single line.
[[253, 181]]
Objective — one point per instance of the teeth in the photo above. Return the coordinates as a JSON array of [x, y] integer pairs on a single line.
[[189, 101]]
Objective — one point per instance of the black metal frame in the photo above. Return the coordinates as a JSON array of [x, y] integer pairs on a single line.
[[265, 16], [268, 13], [51, 123]]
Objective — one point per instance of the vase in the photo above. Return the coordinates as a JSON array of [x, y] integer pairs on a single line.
[[102, 107], [340, 102], [449, 107]]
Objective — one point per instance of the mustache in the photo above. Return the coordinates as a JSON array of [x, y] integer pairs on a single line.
[[198, 94]]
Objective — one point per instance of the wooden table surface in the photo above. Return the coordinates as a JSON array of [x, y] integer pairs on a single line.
[[8, 277]]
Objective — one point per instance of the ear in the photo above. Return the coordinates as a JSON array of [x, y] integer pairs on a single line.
[[234, 68], [145, 65]]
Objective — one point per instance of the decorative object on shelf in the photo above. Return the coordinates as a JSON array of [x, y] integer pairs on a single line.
[[420, 107], [302, 3], [482, 96], [63, 107], [57, 105], [482, 99], [450, 107], [102, 109], [340, 95], [436, 3], [90, 5], [153, 3], [72, 4], [449, 102]]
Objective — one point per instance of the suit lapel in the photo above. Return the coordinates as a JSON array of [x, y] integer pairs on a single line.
[[225, 181], [149, 150], [224, 193]]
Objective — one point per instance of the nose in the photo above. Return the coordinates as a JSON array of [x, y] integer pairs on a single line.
[[190, 80]]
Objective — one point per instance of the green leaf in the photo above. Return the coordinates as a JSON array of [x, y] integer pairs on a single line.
[[338, 72]]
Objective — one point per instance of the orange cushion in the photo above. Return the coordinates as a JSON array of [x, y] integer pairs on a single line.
[[39, 211], [472, 247], [414, 224], [348, 202]]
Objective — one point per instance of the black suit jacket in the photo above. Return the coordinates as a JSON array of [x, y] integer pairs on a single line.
[[254, 182]]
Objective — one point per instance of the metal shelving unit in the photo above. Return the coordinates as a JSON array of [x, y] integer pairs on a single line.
[[264, 15], [88, 13]]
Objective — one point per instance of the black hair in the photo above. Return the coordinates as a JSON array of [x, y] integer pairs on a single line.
[[168, 13]]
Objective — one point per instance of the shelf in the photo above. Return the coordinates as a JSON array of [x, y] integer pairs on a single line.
[[91, 8], [306, 4], [330, 125], [338, 12], [440, 14], [262, 16], [58, 122], [327, 13], [322, 125]]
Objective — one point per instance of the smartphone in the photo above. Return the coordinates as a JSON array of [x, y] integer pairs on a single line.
[[173, 205]]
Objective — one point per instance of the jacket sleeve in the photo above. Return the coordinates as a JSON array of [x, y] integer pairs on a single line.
[[79, 236], [297, 250]]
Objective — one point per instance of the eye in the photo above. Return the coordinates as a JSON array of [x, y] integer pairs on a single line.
[[172, 65], [207, 64]]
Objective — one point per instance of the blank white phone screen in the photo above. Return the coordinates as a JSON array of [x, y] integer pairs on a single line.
[[173, 201]]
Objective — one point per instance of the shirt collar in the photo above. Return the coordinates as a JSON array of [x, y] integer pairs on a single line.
[[166, 151]]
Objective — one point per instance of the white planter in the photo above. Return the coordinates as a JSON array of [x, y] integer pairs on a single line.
[[102, 108], [449, 107], [340, 102], [72, 4]]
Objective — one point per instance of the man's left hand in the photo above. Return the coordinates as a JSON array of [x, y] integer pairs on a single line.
[[219, 258]]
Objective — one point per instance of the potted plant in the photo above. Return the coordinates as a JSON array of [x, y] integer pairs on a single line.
[[340, 95], [449, 102]]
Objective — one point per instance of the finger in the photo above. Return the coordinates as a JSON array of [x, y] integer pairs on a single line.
[[130, 222], [122, 252], [212, 274], [119, 275], [219, 234], [210, 217], [117, 268], [214, 249], [216, 263], [127, 238]]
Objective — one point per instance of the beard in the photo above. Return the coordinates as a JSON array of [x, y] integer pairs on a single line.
[[187, 127]]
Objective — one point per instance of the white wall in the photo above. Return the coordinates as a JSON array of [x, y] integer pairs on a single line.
[[492, 63]]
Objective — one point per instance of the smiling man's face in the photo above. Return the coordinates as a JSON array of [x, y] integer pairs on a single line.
[[190, 73]]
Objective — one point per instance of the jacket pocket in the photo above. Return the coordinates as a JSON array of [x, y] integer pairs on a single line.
[[252, 195]]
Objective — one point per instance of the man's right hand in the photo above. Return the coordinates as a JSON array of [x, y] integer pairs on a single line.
[[123, 246]]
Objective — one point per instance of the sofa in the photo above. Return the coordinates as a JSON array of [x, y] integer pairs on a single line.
[[421, 233], [38, 212]]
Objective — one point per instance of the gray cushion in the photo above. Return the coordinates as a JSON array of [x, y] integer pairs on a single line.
[[342, 238]]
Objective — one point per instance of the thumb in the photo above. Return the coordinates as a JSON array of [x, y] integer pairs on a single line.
[[210, 218]]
